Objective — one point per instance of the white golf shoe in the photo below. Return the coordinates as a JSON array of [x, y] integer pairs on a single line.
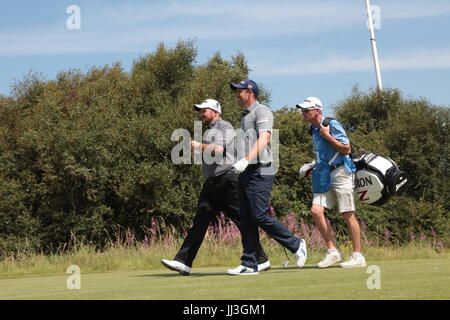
[[354, 261], [242, 271], [264, 266], [330, 259], [301, 254], [177, 266]]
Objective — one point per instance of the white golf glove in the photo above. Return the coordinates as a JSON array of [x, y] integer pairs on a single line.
[[196, 145], [306, 169], [240, 165]]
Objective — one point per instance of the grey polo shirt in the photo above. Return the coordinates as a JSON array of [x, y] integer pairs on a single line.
[[220, 133], [257, 118]]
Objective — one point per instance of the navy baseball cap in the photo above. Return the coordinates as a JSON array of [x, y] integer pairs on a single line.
[[246, 84]]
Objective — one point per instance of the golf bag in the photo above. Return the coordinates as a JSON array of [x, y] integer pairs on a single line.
[[378, 178]]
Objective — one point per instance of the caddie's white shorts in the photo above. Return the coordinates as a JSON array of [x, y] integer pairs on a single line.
[[342, 188]]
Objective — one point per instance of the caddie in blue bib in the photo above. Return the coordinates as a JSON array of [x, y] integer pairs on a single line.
[[327, 157]]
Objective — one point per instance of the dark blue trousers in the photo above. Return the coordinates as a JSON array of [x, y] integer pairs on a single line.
[[254, 193], [218, 194]]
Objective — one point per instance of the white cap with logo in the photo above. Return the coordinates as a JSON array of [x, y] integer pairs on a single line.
[[310, 103], [210, 104]]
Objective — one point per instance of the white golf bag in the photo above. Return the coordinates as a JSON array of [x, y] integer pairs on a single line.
[[378, 178]]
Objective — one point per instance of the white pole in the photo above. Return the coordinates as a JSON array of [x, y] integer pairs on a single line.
[[374, 46]]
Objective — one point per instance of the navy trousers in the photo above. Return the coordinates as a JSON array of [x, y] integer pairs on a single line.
[[219, 193], [254, 194]]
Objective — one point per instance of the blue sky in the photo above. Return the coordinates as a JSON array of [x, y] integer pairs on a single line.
[[295, 48]]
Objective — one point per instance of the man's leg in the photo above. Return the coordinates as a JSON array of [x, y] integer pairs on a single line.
[[249, 230], [346, 201], [353, 229], [356, 260], [258, 194], [343, 189], [321, 224], [230, 206], [320, 201], [196, 233]]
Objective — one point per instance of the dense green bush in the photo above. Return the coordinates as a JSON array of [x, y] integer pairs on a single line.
[[86, 152]]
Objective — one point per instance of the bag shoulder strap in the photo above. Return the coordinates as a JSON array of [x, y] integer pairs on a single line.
[[326, 122], [334, 158]]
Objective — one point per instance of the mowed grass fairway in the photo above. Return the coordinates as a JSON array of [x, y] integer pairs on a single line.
[[400, 279]]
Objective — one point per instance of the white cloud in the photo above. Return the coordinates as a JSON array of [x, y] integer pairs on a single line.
[[137, 27], [415, 58], [304, 12], [413, 9], [130, 27]]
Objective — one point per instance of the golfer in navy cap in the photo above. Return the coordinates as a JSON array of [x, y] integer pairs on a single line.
[[256, 177]]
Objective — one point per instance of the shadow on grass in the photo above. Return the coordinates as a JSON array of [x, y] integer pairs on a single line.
[[224, 273], [176, 274], [305, 267]]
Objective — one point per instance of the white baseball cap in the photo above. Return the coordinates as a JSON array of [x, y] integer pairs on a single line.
[[209, 103], [310, 103]]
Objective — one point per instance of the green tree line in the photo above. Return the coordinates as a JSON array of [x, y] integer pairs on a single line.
[[89, 151]]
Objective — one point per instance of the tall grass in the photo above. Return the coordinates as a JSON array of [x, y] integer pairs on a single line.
[[221, 247]]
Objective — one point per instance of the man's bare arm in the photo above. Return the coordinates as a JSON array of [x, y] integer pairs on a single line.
[[345, 149]]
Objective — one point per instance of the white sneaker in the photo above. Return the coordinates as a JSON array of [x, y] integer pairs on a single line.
[[330, 259], [354, 261], [301, 254], [242, 271], [264, 266], [177, 266]]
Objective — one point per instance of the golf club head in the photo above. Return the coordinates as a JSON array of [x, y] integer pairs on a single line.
[[285, 263]]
